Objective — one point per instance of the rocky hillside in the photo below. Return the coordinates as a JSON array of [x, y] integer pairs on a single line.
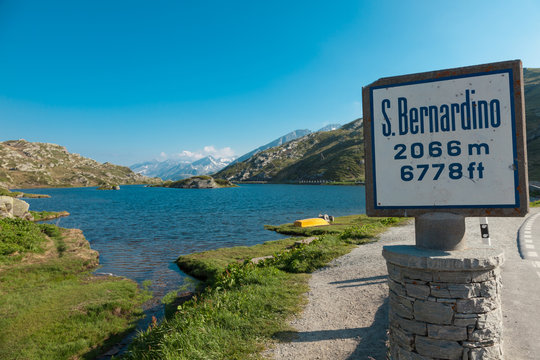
[[25, 164], [532, 111], [322, 156], [279, 141]]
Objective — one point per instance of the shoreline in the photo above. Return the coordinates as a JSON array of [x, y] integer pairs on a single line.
[[87, 312], [48, 215], [251, 303]]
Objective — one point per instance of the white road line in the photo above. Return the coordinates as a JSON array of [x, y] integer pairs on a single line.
[[532, 254], [528, 241], [527, 236], [538, 273], [529, 246], [537, 263]]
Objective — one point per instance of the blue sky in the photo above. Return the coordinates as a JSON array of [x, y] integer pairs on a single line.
[[128, 81]]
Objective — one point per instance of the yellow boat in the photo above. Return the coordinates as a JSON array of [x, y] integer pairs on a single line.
[[311, 222]]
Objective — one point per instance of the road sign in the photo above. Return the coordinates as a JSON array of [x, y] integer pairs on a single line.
[[450, 140]]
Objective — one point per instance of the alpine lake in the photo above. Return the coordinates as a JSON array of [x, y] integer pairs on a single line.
[[140, 231]]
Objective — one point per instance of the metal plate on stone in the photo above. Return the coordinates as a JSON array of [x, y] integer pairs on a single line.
[[448, 140]]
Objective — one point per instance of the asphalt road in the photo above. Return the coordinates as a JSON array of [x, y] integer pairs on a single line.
[[520, 239]]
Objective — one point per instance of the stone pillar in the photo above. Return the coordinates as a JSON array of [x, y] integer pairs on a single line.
[[444, 304]]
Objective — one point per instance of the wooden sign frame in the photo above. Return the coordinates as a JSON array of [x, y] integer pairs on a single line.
[[394, 189]]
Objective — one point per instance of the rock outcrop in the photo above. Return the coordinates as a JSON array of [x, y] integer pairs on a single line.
[[200, 182], [108, 187]]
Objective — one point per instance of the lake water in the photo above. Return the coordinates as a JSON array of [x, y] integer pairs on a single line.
[[139, 232]]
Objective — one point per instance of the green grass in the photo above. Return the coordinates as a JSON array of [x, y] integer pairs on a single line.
[[18, 237], [243, 307], [206, 266], [308, 258], [6, 192], [535, 203], [339, 225], [230, 322], [35, 196], [51, 307]]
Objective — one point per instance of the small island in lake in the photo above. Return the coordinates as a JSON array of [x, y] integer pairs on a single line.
[[198, 182], [109, 187]]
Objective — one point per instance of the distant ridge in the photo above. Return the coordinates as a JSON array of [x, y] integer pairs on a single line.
[[177, 169], [279, 141], [330, 127], [333, 155], [26, 164]]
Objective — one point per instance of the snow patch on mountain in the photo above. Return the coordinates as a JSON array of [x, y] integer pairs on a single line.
[[173, 169]]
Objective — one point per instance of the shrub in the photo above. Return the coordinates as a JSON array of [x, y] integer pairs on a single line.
[[357, 232], [308, 258], [50, 230], [390, 221], [17, 235]]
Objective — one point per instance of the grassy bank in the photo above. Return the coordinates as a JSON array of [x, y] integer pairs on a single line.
[[361, 224], [47, 215], [18, 194], [245, 307], [51, 307]]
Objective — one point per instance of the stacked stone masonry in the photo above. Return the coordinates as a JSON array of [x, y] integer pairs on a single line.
[[443, 314]]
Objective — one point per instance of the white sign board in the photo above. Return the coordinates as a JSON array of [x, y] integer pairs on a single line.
[[445, 142]]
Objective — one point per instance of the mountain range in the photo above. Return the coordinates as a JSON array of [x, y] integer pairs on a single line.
[[178, 169], [328, 155]]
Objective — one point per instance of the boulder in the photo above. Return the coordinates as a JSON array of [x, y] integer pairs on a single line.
[[20, 208], [6, 207]]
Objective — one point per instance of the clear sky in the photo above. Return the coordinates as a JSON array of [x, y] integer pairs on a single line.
[[126, 81]]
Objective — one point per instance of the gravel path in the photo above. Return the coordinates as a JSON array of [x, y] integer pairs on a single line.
[[346, 315], [347, 312]]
